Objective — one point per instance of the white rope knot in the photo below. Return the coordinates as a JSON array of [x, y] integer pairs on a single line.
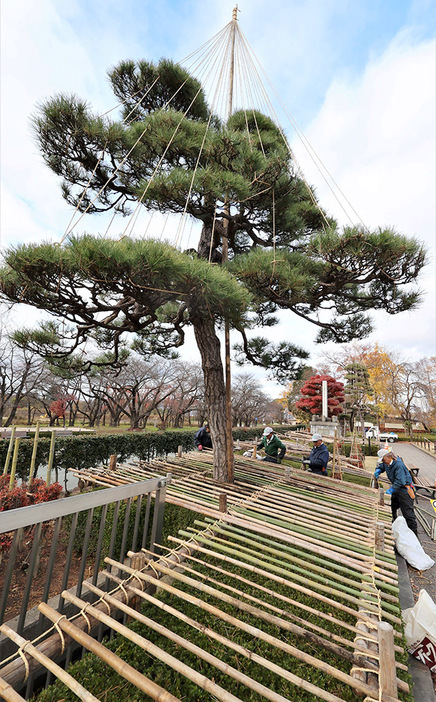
[[176, 555], [151, 565], [21, 652], [121, 587], [83, 613], [105, 602], [138, 579], [60, 632]]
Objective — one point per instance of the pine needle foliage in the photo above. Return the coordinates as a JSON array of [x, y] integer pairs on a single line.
[[167, 151]]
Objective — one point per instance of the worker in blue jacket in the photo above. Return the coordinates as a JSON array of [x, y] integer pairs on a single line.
[[399, 476], [319, 456], [203, 438]]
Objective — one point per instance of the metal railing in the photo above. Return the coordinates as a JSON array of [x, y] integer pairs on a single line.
[[108, 522]]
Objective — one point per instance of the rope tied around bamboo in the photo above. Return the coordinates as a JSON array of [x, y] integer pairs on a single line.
[[252, 630]]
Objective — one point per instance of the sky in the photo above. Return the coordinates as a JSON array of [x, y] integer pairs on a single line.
[[357, 77]]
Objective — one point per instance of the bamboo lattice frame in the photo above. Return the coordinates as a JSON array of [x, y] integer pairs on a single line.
[[294, 552]]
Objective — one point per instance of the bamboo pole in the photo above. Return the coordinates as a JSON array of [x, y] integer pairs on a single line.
[[358, 572], [321, 505], [299, 522], [305, 545], [14, 672], [14, 464], [51, 456], [296, 578], [281, 532], [299, 573], [300, 631], [311, 535], [248, 628], [8, 693], [186, 644], [124, 669], [271, 619], [252, 585], [34, 451], [212, 634], [60, 673], [10, 447], [332, 603], [312, 569], [201, 680]]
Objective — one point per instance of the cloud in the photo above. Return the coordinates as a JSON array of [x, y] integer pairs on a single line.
[[377, 135], [368, 101]]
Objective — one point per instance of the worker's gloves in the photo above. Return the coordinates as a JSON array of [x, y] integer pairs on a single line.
[[377, 472], [390, 491], [200, 447]]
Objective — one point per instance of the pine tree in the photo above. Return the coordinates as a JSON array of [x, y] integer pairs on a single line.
[[240, 182], [358, 390]]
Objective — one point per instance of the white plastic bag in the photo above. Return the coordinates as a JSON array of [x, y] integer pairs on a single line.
[[409, 547], [420, 630]]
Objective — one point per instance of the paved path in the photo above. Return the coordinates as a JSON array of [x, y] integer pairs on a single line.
[[427, 472], [424, 688], [421, 459]]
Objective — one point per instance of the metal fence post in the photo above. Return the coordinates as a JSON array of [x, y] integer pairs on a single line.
[[158, 515]]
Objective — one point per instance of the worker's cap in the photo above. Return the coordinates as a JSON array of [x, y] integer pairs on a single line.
[[267, 431], [382, 452], [316, 437]]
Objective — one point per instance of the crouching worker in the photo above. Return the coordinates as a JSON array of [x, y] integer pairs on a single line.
[[319, 456], [401, 488], [274, 448], [203, 438]]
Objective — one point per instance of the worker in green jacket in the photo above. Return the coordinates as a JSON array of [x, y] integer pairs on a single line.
[[274, 448]]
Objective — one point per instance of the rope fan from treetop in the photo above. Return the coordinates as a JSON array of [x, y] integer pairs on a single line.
[[211, 65]]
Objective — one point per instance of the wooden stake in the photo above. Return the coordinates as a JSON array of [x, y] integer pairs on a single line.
[[380, 536], [10, 447], [388, 680], [34, 450], [113, 462], [121, 667], [223, 502], [179, 451], [51, 456], [14, 464]]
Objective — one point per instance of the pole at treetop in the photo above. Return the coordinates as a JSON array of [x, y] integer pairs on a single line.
[[225, 256]]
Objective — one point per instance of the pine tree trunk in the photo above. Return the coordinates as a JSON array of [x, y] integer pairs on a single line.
[[214, 391]]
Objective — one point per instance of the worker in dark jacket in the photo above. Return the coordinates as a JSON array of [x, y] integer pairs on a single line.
[[203, 438], [399, 476], [272, 445], [319, 456]]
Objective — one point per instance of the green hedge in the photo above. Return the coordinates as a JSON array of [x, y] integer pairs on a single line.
[[86, 452], [81, 452]]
